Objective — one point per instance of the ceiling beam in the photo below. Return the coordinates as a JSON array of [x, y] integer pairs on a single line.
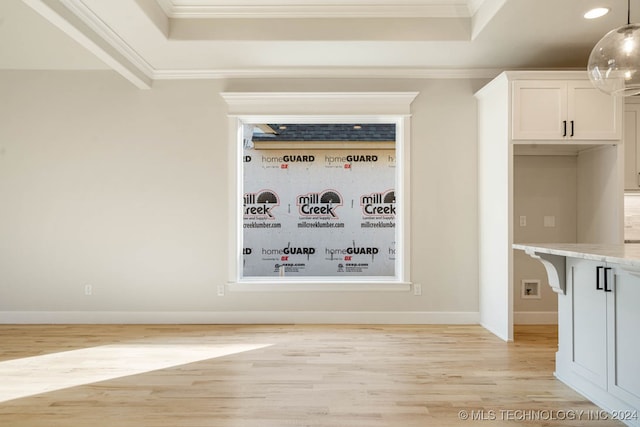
[[67, 21], [486, 10]]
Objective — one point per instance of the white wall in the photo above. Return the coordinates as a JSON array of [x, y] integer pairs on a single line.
[[542, 186], [126, 190], [600, 202]]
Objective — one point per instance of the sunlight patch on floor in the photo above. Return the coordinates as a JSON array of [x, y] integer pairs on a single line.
[[40, 374]]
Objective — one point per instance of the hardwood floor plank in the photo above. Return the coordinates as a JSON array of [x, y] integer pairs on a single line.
[[291, 375]]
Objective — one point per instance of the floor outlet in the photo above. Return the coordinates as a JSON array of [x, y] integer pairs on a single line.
[[417, 289]]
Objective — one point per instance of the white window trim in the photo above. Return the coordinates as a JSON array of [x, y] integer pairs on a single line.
[[320, 107]]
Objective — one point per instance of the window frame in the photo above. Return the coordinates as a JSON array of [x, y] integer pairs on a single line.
[[369, 107]]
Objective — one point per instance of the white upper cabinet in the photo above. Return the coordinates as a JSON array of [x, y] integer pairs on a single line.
[[564, 110]]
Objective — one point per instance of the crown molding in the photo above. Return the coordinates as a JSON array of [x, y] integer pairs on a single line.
[[423, 9], [329, 72]]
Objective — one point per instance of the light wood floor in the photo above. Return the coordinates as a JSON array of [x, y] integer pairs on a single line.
[[289, 375]]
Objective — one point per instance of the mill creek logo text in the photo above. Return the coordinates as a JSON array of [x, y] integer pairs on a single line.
[[319, 205], [379, 204], [260, 205]]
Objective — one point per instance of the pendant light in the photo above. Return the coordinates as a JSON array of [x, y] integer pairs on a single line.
[[614, 63]]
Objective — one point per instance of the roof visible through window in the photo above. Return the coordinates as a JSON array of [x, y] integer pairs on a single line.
[[383, 132]]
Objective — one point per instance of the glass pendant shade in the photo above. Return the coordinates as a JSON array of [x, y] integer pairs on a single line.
[[614, 63]]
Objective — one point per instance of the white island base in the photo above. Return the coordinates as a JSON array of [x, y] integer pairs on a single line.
[[598, 289]]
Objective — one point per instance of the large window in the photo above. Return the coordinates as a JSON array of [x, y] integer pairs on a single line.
[[317, 198]]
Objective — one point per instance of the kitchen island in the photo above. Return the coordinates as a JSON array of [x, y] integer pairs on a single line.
[[598, 289]]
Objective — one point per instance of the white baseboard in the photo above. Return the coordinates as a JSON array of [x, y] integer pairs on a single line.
[[238, 317], [535, 318]]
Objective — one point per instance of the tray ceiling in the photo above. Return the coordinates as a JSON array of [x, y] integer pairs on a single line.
[[147, 40]]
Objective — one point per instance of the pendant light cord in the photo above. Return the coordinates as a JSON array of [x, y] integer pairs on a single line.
[[628, 12]]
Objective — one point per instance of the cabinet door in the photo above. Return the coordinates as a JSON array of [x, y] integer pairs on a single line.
[[539, 109], [631, 140], [592, 114], [589, 321], [624, 346]]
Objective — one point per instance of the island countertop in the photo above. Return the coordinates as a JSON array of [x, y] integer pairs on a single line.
[[624, 254]]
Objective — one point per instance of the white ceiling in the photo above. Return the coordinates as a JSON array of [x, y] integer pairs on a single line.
[[146, 40]]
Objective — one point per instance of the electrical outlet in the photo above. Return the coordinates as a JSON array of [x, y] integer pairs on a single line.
[[220, 290], [417, 289], [523, 221], [88, 290]]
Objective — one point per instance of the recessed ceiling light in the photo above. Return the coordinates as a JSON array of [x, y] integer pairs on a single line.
[[596, 13], [357, 127]]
